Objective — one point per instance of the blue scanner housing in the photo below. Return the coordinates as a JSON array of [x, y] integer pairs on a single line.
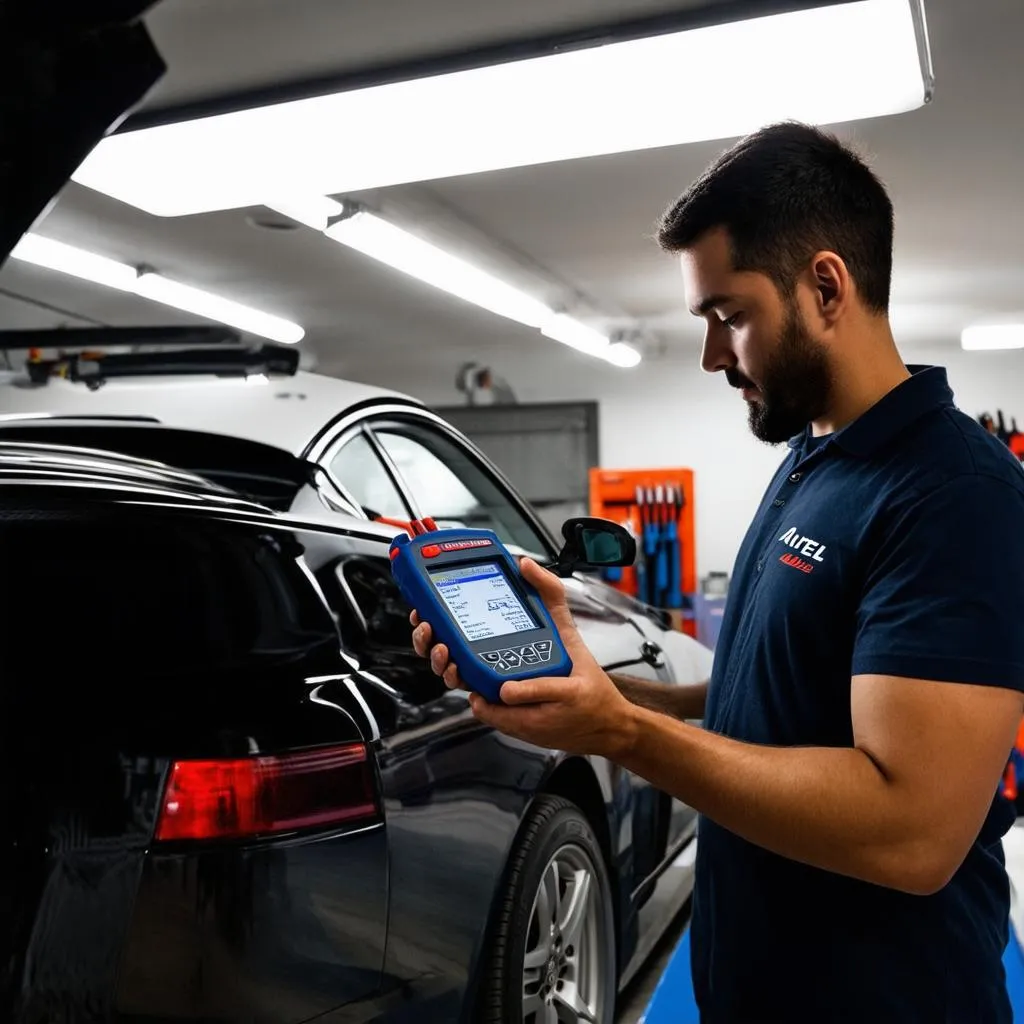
[[468, 586]]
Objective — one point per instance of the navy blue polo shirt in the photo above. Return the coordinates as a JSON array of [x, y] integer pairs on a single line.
[[894, 546]]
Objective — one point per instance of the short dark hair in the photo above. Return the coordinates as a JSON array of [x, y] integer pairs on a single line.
[[784, 193]]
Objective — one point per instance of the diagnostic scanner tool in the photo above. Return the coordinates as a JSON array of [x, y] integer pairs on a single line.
[[469, 588]]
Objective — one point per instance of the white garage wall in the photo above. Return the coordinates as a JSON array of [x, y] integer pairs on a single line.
[[668, 413]]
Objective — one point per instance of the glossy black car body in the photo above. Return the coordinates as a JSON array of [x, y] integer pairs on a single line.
[[149, 618]]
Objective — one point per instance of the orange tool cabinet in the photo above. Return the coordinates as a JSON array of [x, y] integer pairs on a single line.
[[658, 506]]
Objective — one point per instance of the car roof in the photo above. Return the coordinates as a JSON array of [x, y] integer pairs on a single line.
[[85, 473], [283, 412], [31, 463]]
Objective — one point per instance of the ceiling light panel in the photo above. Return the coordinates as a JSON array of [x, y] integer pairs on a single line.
[[215, 307], [69, 259], [576, 335], [406, 252], [992, 338], [622, 354], [401, 250], [313, 211], [707, 83]]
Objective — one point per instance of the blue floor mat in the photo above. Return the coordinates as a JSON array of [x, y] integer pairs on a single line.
[[1013, 961], [673, 1001]]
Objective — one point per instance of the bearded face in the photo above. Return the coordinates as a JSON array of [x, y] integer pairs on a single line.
[[794, 386]]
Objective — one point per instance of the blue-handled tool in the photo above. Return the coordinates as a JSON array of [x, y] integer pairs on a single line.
[[661, 577], [675, 504]]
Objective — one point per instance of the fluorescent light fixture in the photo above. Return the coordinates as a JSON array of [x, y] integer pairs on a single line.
[[213, 307], [403, 251], [585, 339], [313, 211], [622, 354], [612, 98], [68, 259], [571, 332], [991, 338]]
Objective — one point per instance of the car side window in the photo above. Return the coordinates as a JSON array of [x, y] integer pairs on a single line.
[[450, 487], [358, 469]]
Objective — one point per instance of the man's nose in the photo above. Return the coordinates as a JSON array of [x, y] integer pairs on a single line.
[[716, 354]]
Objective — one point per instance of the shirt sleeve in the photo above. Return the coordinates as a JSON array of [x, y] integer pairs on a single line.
[[943, 598]]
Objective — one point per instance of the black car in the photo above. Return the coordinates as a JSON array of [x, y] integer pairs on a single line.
[[230, 790], [233, 793]]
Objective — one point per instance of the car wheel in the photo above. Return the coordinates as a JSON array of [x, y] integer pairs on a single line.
[[552, 958]]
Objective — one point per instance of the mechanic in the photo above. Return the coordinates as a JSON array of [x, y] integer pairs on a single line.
[[867, 685]]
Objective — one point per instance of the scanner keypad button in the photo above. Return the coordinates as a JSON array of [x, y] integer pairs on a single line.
[[529, 655], [512, 658], [543, 649], [515, 657]]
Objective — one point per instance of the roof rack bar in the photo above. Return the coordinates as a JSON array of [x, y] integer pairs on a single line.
[[96, 337], [94, 370]]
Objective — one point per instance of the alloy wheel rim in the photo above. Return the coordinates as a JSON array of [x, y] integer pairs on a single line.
[[562, 968]]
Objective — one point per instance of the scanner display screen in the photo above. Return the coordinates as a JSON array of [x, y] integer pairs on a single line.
[[482, 601]]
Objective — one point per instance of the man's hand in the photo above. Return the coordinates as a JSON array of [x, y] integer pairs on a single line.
[[583, 713]]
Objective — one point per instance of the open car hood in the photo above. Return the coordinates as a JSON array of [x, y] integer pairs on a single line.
[[69, 73]]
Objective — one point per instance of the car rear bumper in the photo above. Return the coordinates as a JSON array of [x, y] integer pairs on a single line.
[[275, 933]]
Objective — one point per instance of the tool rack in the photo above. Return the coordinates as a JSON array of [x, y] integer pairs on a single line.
[[1009, 435], [658, 506]]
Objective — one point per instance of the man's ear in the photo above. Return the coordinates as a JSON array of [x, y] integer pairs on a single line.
[[832, 285]]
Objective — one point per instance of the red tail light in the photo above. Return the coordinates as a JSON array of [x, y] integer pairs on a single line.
[[254, 796]]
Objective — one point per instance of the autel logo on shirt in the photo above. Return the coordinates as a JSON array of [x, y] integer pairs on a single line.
[[812, 549]]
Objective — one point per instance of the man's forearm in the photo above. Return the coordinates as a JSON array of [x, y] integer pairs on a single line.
[[828, 807], [683, 701]]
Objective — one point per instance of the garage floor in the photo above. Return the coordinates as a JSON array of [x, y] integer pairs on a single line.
[[636, 998]]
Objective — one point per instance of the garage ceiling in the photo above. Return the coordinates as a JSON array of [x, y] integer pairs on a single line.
[[220, 47], [574, 232]]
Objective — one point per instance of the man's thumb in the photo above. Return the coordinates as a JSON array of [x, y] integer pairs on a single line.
[[547, 584], [552, 592]]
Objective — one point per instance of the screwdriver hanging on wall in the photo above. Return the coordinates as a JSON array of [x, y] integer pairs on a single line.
[[675, 506]]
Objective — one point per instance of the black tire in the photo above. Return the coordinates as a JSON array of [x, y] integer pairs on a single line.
[[555, 831]]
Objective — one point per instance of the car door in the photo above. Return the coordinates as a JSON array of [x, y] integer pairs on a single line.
[[437, 473], [454, 791]]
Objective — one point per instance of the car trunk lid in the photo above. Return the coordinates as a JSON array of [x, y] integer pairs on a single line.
[[68, 75]]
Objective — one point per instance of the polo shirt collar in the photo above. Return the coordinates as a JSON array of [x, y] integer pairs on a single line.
[[924, 391]]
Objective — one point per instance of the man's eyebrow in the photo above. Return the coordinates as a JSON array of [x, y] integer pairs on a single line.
[[709, 304]]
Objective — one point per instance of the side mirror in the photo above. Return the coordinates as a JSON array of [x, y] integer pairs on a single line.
[[593, 544]]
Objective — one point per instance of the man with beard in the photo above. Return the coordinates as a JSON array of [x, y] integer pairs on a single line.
[[867, 684]]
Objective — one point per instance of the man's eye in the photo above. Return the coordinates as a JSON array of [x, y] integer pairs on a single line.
[[732, 320]]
